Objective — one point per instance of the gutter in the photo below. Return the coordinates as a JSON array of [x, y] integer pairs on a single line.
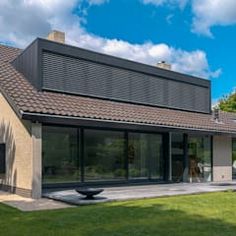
[[47, 118]]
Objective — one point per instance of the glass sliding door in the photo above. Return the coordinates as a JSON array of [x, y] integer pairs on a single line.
[[60, 155], [234, 159], [156, 158], [199, 154], [104, 155], [178, 157], [145, 158]]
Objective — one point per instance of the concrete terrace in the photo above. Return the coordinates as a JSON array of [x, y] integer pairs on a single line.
[[140, 192], [68, 198], [29, 204]]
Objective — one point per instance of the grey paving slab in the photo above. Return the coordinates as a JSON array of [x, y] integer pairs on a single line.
[[140, 192], [28, 204]]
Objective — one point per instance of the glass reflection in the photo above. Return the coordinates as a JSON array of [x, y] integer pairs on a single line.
[[60, 154], [199, 152], [104, 155], [177, 153], [145, 156]]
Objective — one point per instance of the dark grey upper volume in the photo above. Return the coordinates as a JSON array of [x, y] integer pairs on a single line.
[[67, 69]]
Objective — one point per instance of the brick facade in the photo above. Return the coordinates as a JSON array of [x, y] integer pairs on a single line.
[[21, 149]]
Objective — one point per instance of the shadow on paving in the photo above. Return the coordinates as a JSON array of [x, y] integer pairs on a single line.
[[114, 220]]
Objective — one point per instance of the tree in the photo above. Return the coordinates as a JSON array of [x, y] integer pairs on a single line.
[[228, 103]]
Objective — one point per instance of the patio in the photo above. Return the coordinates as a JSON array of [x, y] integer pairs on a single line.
[[139, 192], [29, 204]]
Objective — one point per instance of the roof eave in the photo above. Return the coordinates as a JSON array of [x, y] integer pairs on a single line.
[[102, 123]]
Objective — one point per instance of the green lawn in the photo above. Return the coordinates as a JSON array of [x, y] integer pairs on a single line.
[[204, 215]]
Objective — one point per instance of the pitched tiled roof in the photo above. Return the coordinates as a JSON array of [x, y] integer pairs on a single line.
[[7, 54], [25, 98]]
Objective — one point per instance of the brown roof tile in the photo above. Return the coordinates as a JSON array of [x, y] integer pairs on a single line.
[[7, 53], [27, 99]]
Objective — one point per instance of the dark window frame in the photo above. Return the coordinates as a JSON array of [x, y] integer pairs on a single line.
[[3, 161], [127, 180], [80, 131]]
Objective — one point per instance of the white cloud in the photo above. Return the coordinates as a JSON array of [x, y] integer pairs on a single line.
[[22, 21], [155, 2], [39, 17], [215, 102], [97, 2], [193, 62], [180, 3], [208, 13], [169, 18]]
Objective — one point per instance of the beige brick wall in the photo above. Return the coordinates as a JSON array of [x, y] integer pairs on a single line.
[[37, 160], [222, 158], [20, 153]]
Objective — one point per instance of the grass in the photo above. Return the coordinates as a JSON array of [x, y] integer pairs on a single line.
[[204, 215]]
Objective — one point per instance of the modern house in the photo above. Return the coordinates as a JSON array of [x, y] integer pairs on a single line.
[[70, 116]]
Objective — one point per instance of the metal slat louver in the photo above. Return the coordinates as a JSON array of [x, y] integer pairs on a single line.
[[78, 76]]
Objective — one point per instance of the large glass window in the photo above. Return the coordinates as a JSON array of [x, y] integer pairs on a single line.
[[234, 159], [60, 154], [145, 156], [104, 155], [178, 155], [199, 153]]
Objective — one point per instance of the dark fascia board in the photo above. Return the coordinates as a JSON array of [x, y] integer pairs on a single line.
[[109, 124], [76, 52]]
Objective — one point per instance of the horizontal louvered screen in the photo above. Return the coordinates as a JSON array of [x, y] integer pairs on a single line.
[[78, 76]]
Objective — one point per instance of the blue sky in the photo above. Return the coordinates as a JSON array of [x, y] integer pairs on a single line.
[[196, 36], [171, 25]]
